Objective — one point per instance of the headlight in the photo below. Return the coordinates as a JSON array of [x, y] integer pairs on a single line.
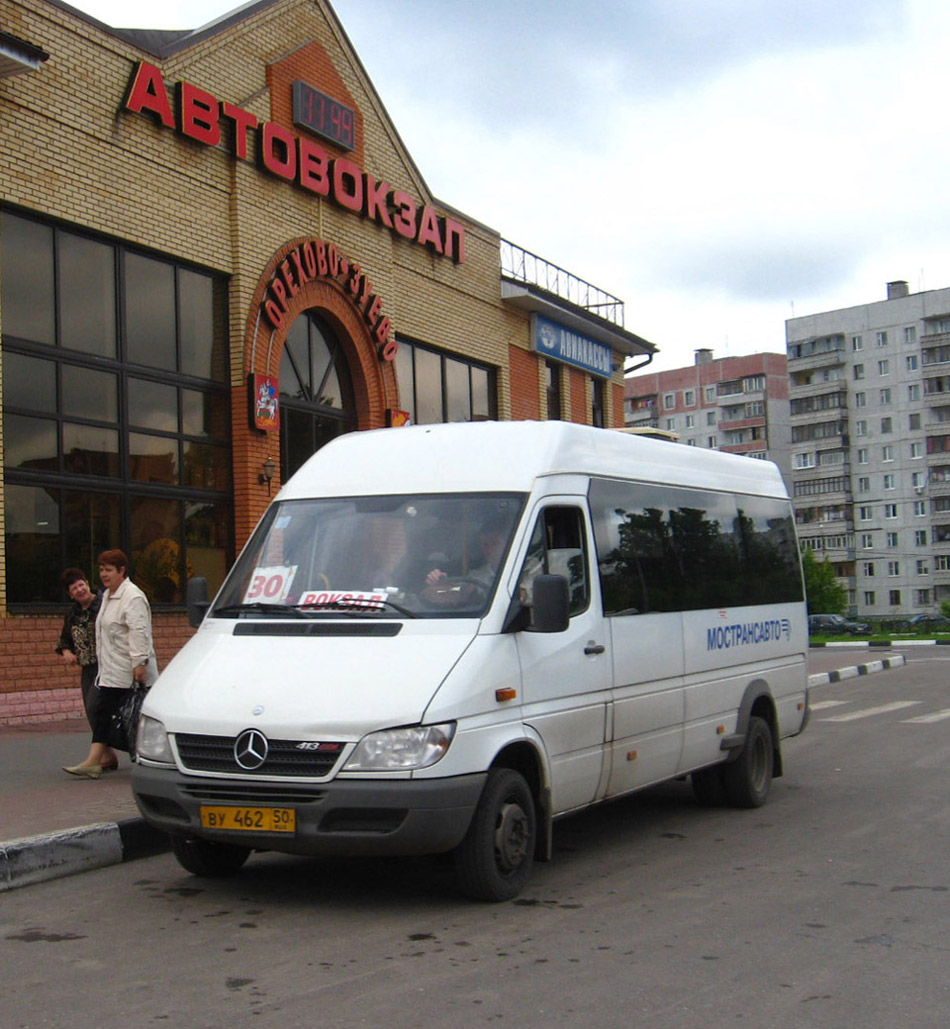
[[152, 741], [400, 750]]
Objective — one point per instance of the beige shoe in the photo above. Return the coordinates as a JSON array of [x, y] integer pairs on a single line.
[[84, 771]]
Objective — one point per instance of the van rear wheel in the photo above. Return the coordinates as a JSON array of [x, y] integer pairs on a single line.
[[747, 779], [494, 859], [202, 857]]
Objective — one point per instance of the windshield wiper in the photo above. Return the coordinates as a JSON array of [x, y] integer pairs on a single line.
[[258, 607]]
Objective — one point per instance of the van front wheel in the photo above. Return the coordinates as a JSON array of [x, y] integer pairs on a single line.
[[202, 857], [494, 859], [748, 778]]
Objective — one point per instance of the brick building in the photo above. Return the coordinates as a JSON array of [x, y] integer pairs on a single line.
[[737, 404], [216, 254]]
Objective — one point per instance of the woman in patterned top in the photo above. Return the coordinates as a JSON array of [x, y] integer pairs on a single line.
[[77, 643]]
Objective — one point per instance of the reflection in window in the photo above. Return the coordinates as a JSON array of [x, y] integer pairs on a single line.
[[153, 405], [86, 295], [33, 555], [26, 286], [70, 401], [206, 466], [428, 387], [207, 542], [458, 394], [90, 394], [90, 450], [29, 383], [156, 555], [436, 388], [30, 443], [153, 458], [670, 549], [92, 522], [203, 344], [149, 312]]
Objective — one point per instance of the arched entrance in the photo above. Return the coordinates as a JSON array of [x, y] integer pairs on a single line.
[[334, 375], [316, 391]]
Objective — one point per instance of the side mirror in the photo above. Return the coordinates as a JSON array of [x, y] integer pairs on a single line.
[[549, 610], [552, 601], [196, 599]]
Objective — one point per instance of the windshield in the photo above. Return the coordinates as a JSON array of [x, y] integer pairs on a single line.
[[420, 556]]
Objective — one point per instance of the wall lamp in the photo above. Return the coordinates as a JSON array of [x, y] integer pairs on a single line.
[[267, 472]]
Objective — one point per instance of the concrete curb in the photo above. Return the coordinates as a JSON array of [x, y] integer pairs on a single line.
[[882, 643], [824, 678], [35, 859]]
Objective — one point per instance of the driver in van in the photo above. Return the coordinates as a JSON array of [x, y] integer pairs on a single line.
[[492, 537]]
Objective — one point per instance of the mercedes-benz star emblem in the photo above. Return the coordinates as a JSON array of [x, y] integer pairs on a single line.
[[250, 749]]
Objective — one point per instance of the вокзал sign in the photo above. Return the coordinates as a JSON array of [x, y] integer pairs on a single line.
[[297, 159]]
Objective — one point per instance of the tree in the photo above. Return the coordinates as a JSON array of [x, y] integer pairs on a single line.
[[823, 591]]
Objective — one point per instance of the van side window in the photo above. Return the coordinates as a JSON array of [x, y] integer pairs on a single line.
[[558, 547], [665, 548]]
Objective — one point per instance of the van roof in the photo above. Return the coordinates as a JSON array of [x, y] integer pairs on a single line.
[[509, 456]]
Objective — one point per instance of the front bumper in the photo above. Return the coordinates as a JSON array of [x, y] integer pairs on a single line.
[[343, 817]]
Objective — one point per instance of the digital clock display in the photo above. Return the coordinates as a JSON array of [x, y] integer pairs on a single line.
[[323, 115]]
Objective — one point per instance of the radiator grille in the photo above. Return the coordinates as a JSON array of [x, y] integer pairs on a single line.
[[205, 753]]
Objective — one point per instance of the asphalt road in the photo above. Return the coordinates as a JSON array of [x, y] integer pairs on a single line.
[[830, 906]]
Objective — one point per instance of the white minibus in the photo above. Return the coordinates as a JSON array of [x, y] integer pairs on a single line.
[[443, 638]]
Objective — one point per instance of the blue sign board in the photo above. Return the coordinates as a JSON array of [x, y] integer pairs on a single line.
[[560, 343]]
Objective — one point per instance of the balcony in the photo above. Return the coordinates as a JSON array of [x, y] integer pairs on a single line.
[[543, 290], [521, 265]]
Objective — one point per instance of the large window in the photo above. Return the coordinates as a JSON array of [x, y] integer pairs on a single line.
[[435, 387], [116, 419], [663, 548]]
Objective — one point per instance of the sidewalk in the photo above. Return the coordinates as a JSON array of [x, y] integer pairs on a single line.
[[56, 824]]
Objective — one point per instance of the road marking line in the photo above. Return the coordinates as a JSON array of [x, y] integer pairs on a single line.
[[937, 716], [822, 704], [869, 711]]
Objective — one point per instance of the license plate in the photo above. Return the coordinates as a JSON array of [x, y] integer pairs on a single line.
[[249, 819]]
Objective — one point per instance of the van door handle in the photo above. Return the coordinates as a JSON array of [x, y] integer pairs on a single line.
[[594, 648]]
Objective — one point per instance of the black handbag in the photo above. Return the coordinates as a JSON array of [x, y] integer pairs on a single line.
[[116, 738], [129, 713]]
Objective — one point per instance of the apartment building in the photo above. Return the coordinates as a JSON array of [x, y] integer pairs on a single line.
[[737, 404], [869, 390]]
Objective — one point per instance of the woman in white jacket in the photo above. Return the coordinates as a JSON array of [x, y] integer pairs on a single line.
[[125, 651]]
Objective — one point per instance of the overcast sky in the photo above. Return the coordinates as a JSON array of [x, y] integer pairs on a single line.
[[719, 165]]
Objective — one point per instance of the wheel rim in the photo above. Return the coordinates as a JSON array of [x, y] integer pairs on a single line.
[[512, 836], [759, 763]]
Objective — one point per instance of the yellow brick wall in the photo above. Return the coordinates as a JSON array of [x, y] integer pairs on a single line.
[[70, 152]]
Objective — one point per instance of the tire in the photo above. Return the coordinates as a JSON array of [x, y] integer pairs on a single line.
[[747, 779], [202, 857], [494, 859], [708, 786]]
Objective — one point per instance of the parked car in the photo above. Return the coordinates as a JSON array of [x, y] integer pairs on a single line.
[[936, 623], [831, 625]]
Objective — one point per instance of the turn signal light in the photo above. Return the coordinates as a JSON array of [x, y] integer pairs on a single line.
[[508, 693]]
